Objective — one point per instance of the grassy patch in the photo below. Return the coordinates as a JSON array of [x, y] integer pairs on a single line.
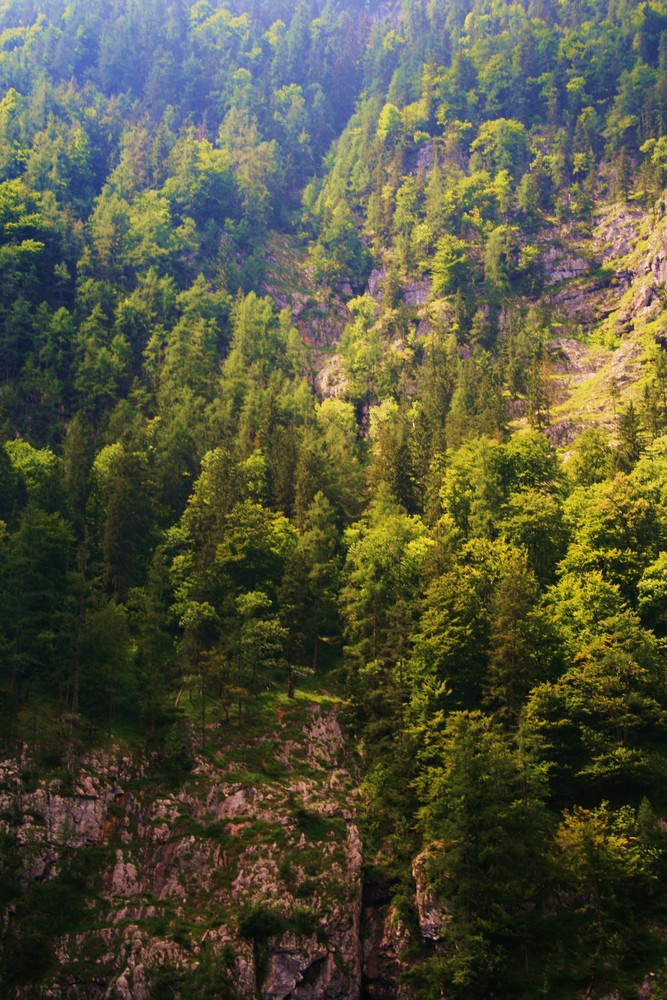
[[315, 826]]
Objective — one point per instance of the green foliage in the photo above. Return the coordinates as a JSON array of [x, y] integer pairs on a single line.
[[381, 580], [615, 530], [608, 860], [484, 812], [186, 521], [212, 977], [451, 266], [501, 145], [340, 255], [45, 911], [35, 599], [592, 458]]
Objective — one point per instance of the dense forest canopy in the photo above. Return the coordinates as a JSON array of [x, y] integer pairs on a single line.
[[183, 506]]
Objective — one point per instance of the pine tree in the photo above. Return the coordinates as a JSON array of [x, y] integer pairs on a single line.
[[516, 647], [630, 444], [485, 818]]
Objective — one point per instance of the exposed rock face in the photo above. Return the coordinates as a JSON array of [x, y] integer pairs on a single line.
[[330, 381], [647, 987], [255, 882], [319, 315], [254, 885], [416, 293], [604, 284], [562, 433], [433, 915], [46, 820], [617, 231], [376, 281], [562, 265], [635, 270], [385, 939], [228, 869], [587, 303]]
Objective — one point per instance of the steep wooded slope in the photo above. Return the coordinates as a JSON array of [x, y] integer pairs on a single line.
[[295, 305]]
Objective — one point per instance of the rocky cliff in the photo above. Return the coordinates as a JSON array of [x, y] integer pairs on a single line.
[[246, 873], [601, 301], [241, 878]]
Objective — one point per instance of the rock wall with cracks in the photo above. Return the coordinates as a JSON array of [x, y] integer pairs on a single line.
[[249, 870]]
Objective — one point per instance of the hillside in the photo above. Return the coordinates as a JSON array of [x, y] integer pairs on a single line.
[[333, 467], [601, 303]]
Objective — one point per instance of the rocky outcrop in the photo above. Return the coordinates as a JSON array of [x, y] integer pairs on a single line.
[[385, 939], [586, 303], [627, 247], [433, 914], [46, 820], [376, 281], [248, 871], [259, 875], [330, 381], [309, 968], [604, 286], [415, 292], [562, 265], [604, 282], [319, 314], [617, 230]]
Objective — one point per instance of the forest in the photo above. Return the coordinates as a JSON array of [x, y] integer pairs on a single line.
[[193, 519]]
